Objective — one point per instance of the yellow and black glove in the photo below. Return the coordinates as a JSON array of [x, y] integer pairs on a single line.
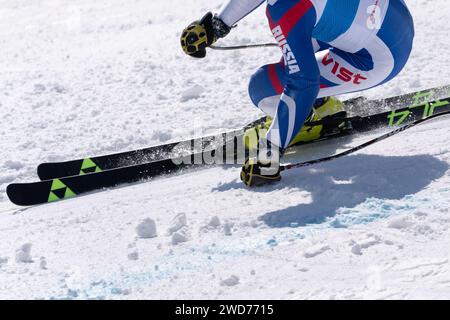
[[202, 34], [265, 167], [254, 173]]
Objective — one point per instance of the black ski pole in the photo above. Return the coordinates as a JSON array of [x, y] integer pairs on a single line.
[[247, 46]]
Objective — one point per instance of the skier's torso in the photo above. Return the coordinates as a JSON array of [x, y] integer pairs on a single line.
[[345, 24], [348, 24]]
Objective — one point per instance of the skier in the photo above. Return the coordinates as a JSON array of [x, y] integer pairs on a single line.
[[329, 47]]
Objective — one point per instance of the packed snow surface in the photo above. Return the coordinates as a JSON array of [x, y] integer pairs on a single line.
[[84, 77]]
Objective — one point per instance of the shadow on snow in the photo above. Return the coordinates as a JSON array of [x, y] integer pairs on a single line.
[[348, 182]]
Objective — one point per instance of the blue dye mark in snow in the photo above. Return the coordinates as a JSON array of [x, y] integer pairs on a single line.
[[272, 243], [203, 257], [373, 210]]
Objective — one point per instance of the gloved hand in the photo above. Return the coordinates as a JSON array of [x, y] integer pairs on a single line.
[[256, 173], [265, 167], [202, 34]]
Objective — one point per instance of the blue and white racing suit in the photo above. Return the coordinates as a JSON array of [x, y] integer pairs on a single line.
[[329, 47]]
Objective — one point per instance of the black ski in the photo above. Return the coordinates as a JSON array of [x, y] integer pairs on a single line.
[[47, 171], [52, 170], [364, 145], [67, 187]]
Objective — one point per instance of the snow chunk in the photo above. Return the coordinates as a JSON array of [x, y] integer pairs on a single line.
[[230, 282], [3, 261], [316, 251], [370, 242], [180, 236], [133, 256], [214, 222], [356, 249], [192, 93], [43, 263], [400, 223], [227, 229], [177, 223], [23, 254], [146, 229]]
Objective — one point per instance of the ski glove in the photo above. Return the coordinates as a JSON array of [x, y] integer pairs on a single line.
[[255, 173], [202, 34], [264, 168]]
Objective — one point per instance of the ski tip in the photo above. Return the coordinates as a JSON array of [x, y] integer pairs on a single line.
[[41, 171], [13, 195]]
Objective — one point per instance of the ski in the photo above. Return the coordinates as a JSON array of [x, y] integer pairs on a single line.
[[364, 145], [26, 194], [52, 170], [47, 171]]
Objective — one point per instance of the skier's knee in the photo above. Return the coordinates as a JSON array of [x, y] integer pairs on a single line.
[[255, 88], [260, 86]]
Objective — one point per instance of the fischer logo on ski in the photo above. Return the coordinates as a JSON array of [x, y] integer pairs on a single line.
[[89, 166], [421, 100], [59, 191]]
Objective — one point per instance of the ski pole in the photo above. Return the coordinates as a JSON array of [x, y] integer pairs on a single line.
[[246, 46]]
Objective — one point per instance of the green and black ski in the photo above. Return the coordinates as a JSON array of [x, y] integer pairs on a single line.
[[47, 171], [67, 187], [52, 170]]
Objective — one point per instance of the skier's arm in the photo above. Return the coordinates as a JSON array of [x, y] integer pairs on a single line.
[[203, 33], [236, 10]]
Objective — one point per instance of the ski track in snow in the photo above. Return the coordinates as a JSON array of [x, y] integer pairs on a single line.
[[91, 77]]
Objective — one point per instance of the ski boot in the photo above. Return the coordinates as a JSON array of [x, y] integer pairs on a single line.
[[333, 109], [325, 108]]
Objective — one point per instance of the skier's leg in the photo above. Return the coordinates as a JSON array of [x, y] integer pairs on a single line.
[[341, 72], [266, 86], [265, 89]]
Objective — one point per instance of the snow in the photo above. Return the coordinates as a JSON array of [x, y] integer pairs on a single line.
[[315, 251], [133, 255], [192, 93], [227, 229], [230, 282], [43, 263], [85, 77], [214, 222], [23, 254], [178, 222], [400, 223], [3, 260], [180, 236], [146, 229]]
